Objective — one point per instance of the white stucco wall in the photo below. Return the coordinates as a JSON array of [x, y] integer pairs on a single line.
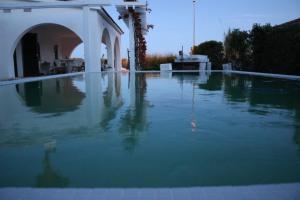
[[86, 23], [17, 23]]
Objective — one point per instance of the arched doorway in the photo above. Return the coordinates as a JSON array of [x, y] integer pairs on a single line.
[[106, 49], [117, 58], [45, 49]]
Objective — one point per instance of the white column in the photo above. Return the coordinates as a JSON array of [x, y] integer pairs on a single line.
[[91, 39], [19, 55], [7, 70], [110, 55], [117, 59], [118, 56], [131, 44]]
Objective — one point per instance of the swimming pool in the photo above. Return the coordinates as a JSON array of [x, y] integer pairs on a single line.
[[150, 130]]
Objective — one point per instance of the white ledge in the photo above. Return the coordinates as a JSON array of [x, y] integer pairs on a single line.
[[257, 192]]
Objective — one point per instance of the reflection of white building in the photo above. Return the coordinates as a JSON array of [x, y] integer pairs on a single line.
[[39, 111], [41, 33]]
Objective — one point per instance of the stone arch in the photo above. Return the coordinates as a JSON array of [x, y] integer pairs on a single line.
[[78, 45], [61, 37], [106, 39], [18, 23], [30, 27], [117, 56], [72, 47]]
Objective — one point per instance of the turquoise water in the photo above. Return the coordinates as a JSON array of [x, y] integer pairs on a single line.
[[150, 130]]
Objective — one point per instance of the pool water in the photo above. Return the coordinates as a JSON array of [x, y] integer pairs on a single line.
[[150, 130]]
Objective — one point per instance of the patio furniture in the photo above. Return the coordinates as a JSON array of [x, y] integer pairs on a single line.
[[45, 68], [77, 65]]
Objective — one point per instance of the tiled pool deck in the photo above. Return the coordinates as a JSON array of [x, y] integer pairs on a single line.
[[259, 192]]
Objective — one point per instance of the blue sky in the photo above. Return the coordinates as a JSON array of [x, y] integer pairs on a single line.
[[172, 20]]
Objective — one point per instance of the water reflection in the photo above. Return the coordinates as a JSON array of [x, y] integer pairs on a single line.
[[274, 93], [113, 99], [260, 94], [214, 83], [236, 89], [201, 77], [297, 127], [262, 91], [101, 116], [134, 121], [50, 177], [51, 96], [98, 103], [263, 95], [59, 108], [104, 99]]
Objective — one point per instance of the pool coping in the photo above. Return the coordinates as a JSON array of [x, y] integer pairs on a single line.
[[40, 78], [290, 191], [31, 79], [282, 76]]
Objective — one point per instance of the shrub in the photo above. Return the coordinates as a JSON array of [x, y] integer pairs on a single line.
[[153, 61]]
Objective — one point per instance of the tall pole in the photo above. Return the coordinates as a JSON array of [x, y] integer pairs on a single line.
[[194, 25]]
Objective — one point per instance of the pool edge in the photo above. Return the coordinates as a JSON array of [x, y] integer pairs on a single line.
[[32, 79], [288, 191]]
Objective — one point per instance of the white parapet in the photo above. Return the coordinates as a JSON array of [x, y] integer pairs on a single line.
[[166, 67], [202, 66]]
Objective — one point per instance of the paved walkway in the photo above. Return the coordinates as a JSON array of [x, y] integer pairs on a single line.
[[258, 192]]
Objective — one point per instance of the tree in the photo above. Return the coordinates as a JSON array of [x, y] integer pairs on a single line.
[[214, 50], [276, 49], [266, 48], [237, 49], [260, 44]]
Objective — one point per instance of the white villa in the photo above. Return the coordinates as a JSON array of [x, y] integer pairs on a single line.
[[37, 37]]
